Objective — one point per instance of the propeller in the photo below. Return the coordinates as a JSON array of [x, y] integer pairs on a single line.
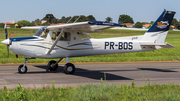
[[6, 34]]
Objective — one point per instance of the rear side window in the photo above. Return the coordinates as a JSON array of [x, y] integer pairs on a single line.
[[83, 36]]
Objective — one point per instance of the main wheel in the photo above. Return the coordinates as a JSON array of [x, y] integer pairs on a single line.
[[51, 67], [69, 68], [22, 70]]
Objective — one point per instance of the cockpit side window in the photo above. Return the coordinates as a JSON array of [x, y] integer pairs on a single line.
[[54, 36], [65, 36]]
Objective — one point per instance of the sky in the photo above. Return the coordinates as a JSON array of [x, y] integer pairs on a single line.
[[139, 10]]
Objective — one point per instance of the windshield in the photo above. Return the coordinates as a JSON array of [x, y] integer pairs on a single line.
[[41, 32]]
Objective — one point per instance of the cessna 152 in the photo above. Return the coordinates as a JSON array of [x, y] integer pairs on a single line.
[[70, 40]]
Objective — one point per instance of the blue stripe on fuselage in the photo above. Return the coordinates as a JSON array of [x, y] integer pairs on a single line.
[[22, 38]]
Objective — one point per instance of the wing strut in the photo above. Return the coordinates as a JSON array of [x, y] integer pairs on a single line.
[[77, 19], [69, 20], [54, 44]]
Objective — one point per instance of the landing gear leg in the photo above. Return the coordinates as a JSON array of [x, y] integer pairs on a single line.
[[69, 68], [53, 65], [22, 68]]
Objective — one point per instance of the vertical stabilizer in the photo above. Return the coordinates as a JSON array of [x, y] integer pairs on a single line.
[[158, 31]]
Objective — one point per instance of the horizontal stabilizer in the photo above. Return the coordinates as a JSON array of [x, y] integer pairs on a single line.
[[166, 45]]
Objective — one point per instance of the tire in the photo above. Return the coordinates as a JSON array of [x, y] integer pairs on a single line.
[[69, 68], [50, 65], [21, 70]]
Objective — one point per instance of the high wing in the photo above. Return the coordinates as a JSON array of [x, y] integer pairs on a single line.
[[89, 26]]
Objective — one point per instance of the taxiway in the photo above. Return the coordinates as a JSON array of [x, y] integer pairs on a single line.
[[111, 73]]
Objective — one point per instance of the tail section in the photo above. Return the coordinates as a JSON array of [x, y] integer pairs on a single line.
[[158, 31]]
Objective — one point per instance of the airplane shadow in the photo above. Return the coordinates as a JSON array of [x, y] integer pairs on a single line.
[[157, 70], [94, 74], [98, 74]]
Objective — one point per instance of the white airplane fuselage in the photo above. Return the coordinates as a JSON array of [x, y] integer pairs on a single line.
[[37, 47]]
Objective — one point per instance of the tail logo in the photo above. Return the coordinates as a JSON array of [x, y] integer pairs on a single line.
[[162, 24]]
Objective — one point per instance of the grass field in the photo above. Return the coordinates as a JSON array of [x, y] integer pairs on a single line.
[[91, 92], [102, 92], [170, 54]]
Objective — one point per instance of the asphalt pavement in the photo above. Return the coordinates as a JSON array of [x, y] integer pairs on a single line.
[[37, 75]]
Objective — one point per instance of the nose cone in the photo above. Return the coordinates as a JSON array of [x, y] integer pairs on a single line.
[[6, 42]]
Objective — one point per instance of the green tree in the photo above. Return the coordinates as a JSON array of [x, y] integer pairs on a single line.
[[108, 19], [82, 18], [75, 17], [49, 18], [143, 23], [54, 20], [12, 26], [36, 21], [125, 19], [1, 25], [23, 23], [138, 25], [174, 22], [62, 20], [177, 25], [91, 18], [152, 22]]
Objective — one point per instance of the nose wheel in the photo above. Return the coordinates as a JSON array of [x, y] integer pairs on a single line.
[[22, 69]]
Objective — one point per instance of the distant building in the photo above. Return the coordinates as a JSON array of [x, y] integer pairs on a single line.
[[172, 27], [16, 25], [8, 24], [12, 21], [146, 26], [128, 25], [43, 21]]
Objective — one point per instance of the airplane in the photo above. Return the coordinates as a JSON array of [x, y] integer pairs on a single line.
[[70, 40]]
